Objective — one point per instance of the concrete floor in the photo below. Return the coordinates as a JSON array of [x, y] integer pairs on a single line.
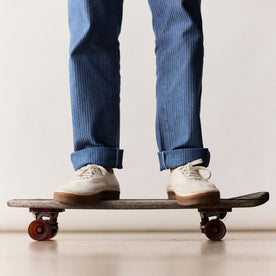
[[139, 253]]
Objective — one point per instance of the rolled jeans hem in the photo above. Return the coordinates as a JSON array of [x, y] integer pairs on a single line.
[[174, 158], [104, 156]]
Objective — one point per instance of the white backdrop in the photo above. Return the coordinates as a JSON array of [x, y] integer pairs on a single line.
[[238, 112]]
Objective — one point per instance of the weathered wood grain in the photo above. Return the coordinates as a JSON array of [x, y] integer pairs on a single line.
[[250, 200]]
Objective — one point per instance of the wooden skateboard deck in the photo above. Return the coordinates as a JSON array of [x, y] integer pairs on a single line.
[[46, 211]]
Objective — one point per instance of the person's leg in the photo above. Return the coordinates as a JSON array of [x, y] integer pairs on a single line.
[[94, 68], [179, 51]]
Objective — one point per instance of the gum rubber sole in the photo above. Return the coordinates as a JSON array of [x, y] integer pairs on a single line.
[[198, 199], [89, 199]]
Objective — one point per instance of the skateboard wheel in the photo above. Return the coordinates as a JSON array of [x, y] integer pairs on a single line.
[[40, 230], [215, 230]]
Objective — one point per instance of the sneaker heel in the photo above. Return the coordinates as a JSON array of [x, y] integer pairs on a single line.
[[109, 195], [171, 195]]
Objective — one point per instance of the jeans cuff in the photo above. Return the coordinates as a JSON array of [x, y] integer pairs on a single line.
[[178, 157], [104, 156]]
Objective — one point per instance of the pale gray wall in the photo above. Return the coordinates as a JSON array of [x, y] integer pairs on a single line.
[[238, 111]]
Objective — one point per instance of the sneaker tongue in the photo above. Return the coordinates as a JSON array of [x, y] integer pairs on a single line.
[[101, 168], [196, 162], [194, 174], [82, 170]]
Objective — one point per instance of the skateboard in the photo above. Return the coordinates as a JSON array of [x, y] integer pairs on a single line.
[[46, 212]]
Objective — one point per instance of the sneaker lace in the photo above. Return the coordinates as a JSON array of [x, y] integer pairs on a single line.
[[192, 172], [89, 170]]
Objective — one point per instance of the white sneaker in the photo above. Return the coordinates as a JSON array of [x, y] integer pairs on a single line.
[[189, 187], [89, 184]]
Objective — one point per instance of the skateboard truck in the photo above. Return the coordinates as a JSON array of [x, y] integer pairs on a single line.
[[45, 226], [214, 229]]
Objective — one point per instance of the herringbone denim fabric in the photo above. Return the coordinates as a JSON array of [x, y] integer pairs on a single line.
[[94, 67]]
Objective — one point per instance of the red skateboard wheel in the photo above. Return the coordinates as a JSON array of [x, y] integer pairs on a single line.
[[40, 230]]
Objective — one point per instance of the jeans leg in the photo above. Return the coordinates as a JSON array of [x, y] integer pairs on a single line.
[[177, 25], [94, 71]]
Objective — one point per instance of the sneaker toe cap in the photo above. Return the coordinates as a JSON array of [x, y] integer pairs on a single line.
[[81, 187], [194, 187]]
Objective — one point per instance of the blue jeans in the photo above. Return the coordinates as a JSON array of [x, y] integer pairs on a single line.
[[94, 71]]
